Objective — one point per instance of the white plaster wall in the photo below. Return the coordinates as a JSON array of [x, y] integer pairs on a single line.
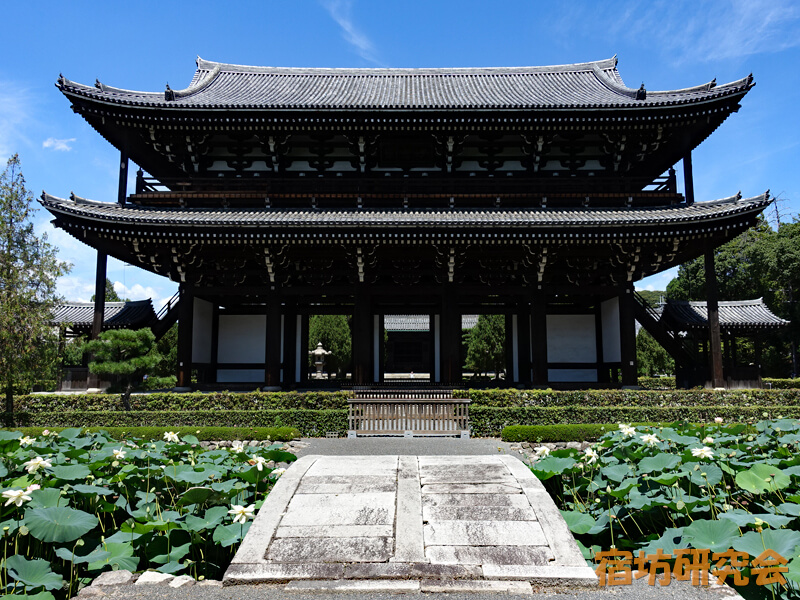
[[609, 312], [572, 375], [242, 339], [241, 375], [571, 339], [202, 322]]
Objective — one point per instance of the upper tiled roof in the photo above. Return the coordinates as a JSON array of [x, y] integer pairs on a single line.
[[296, 218], [583, 85], [734, 314], [117, 315]]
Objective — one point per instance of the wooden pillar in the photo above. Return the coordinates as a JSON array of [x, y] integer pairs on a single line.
[[212, 374], [272, 377], [378, 348], [524, 342], [627, 336], [688, 178], [99, 294], [122, 190], [511, 366], [435, 351], [185, 324], [539, 337], [289, 344], [362, 338], [602, 369], [450, 337], [302, 346], [715, 343]]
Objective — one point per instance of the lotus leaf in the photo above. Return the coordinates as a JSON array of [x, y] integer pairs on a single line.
[[95, 555], [71, 472], [46, 497], [782, 541], [616, 472], [578, 522], [121, 557], [33, 573], [212, 518], [762, 478], [714, 535], [59, 523], [659, 462]]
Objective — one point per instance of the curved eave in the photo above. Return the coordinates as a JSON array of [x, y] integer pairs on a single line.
[[594, 86], [106, 215]]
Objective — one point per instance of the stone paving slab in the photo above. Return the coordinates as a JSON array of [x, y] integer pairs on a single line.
[[395, 523]]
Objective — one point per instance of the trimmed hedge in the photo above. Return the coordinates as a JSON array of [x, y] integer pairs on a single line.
[[310, 423], [215, 401], [782, 384], [633, 398], [204, 434], [581, 432], [488, 421], [657, 383]]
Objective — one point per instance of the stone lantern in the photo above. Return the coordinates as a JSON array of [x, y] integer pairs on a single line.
[[319, 355]]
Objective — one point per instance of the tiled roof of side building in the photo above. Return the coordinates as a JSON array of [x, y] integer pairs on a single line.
[[589, 85], [289, 218], [733, 314], [130, 314]]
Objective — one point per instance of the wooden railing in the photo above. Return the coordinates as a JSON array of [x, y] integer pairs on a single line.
[[408, 413]]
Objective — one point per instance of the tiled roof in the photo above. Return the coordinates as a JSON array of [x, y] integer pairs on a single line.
[[304, 218], [735, 314], [420, 322], [584, 85], [117, 315]]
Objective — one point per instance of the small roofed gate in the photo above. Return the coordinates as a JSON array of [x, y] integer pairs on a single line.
[[408, 413]]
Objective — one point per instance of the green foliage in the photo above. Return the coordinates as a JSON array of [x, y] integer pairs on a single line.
[[782, 384], [167, 366], [97, 504], [556, 433], [334, 333], [651, 358], [706, 486], [656, 383], [310, 423], [203, 434], [124, 355], [486, 345], [29, 269]]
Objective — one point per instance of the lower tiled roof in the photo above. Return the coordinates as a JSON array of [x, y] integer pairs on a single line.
[[117, 315], [305, 218], [735, 314]]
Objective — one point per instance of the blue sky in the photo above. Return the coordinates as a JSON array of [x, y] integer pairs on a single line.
[[666, 44]]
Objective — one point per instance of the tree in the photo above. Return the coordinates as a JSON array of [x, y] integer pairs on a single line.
[[111, 293], [651, 358], [486, 345], [29, 269], [334, 333], [125, 355]]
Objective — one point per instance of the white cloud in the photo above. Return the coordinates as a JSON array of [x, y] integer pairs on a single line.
[[691, 30], [14, 115], [75, 289], [58, 145], [658, 281], [340, 11]]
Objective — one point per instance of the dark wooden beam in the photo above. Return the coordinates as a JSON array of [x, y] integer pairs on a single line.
[[122, 191], [627, 332], [539, 337], [289, 344], [185, 325], [99, 294], [524, 342], [273, 341], [362, 337], [688, 178], [714, 337]]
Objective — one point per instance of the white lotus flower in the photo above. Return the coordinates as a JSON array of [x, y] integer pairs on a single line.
[[627, 430], [118, 454], [717, 420], [171, 436], [277, 473], [704, 452], [649, 439], [237, 447], [26, 441], [16, 497], [590, 455], [541, 452], [708, 440], [242, 513], [35, 464], [259, 462]]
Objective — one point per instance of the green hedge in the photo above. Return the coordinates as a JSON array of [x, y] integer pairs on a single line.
[[309, 423], [490, 421], [213, 434], [657, 383], [782, 384], [216, 401], [556, 433], [633, 398]]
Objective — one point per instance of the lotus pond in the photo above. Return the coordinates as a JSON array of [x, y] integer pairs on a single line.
[[713, 487], [75, 505]]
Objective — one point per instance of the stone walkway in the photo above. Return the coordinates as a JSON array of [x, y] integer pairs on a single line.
[[410, 523]]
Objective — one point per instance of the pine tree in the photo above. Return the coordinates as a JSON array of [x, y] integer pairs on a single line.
[[29, 269]]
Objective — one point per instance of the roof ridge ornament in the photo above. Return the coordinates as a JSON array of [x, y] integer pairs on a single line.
[[169, 94], [641, 93]]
